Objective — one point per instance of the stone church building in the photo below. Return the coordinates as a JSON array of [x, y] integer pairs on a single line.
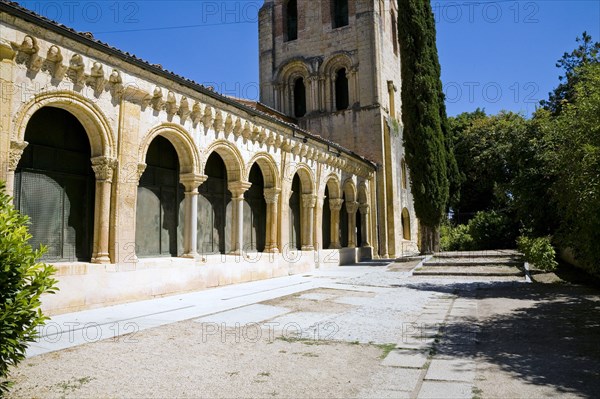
[[142, 183]]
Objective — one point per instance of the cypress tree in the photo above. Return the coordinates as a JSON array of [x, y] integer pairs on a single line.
[[428, 154]]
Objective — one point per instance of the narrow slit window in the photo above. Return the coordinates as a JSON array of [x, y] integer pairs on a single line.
[[342, 100], [291, 20], [299, 98]]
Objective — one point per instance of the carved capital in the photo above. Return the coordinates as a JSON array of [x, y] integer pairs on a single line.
[[103, 168], [238, 188], [140, 170], [14, 154], [351, 206], [309, 200], [365, 209], [335, 204], [271, 195], [191, 181]]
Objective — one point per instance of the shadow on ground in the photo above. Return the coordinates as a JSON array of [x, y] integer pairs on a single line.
[[545, 335]]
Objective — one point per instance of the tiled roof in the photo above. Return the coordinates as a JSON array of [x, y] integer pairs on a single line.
[[88, 39]]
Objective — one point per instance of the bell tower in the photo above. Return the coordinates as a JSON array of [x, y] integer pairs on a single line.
[[334, 66]]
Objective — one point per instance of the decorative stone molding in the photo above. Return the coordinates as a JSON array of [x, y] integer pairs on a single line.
[[157, 101], [335, 204], [171, 104], [77, 69], [309, 200], [238, 188], [197, 112], [191, 181], [97, 80], [365, 209], [14, 154], [140, 170], [351, 206], [103, 168], [54, 60], [271, 195]]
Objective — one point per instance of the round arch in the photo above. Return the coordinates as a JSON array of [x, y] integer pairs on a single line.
[[363, 194], [189, 159], [332, 182], [306, 176], [350, 190], [234, 162], [268, 168], [334, 63], [89, 115], [292, 70]]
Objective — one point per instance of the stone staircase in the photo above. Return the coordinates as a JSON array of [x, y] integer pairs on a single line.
[[497, 263]]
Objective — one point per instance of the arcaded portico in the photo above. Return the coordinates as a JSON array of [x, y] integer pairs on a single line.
[[142, 183]]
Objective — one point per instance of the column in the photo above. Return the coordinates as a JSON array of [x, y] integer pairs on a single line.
[[308, 203], [14, 156], [351, 207], [335, 205], [103, 169], [366, 229], [272, 199], [191, 182], [237, 190]]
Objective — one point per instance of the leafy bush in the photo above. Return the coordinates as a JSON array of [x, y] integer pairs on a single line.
[[22, 281], [538, 251], [455, 238], [492, 230]]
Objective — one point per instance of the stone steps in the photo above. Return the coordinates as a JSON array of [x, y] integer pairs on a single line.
[[501, 263]]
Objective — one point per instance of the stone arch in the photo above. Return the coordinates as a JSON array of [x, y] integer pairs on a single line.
[[335, 62], [231, 156], [291, 70], [89, 115], [268, 168], [332, 182], [350, 190], [189, 159], [306, 176], [363, 194]]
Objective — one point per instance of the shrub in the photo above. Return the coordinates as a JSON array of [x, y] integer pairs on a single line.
[[492, 230], [455, 238], [538, 251], [22, 281]]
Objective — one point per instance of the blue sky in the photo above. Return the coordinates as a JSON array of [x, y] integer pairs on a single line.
[[494, 54]]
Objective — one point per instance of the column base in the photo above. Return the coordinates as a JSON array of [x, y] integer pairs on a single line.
[[191, 255], [308, 248], [101, 259], [335, 246]]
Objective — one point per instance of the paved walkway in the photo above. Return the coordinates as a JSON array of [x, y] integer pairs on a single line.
[[441, 337]]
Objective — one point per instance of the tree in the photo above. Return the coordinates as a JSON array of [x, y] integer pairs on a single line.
[[586, 53], [575, 135], [22, 281], [428, 154], [483, 147]]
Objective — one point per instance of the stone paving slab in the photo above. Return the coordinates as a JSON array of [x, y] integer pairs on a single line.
[[314, 296], [443, 389], [451, 370], [405, 358], [396, 379], [245, 315]]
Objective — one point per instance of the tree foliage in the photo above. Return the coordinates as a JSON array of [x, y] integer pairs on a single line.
[[22, 281], [587, 53], [428, 152]]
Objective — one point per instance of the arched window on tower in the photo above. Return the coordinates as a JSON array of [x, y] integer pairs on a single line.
[[342, 100], [291, 20], [394, 33], [299, 98], [340, 13]]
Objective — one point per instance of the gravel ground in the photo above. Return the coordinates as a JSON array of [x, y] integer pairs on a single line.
[[517, 340]]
